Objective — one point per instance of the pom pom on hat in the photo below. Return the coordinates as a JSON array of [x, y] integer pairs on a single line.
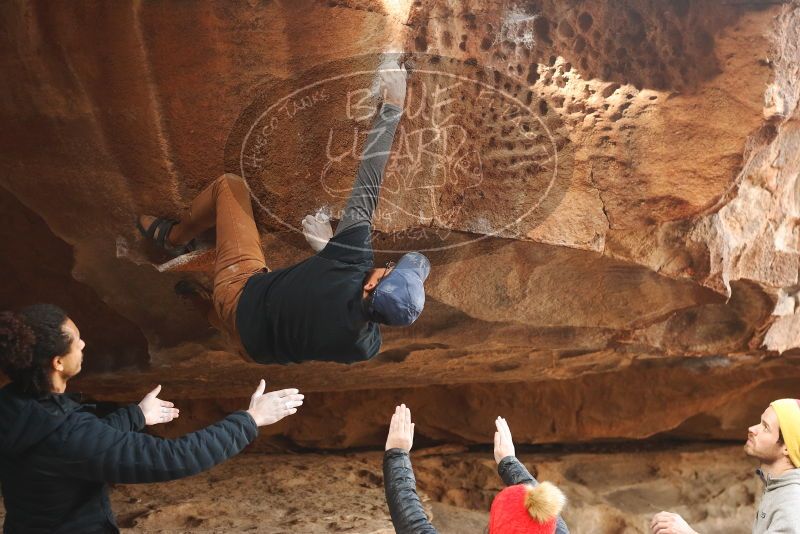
[[525, 509], [544, 502]]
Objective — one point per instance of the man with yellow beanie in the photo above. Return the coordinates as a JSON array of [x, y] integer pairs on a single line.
[[775, 442]]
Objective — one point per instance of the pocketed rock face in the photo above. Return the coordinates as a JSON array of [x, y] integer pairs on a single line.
[[605, 190], [755, 234]]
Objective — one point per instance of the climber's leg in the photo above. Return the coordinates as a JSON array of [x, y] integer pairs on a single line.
[[201, 299], [239, 253]]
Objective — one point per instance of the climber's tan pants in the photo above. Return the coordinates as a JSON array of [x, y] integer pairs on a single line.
[[226, 204]]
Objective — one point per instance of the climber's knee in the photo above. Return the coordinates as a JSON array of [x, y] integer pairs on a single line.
[[233, 183], [231, 176], [231, 180]]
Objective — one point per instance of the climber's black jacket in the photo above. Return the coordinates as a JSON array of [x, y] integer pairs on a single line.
[[56, 459]]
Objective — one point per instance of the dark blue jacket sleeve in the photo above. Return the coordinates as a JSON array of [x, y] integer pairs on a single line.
[[408, 516], [513, 472], [91, 449], [128, 419]]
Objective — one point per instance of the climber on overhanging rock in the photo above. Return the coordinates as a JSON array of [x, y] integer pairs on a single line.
[[775, 443], [326, 307]]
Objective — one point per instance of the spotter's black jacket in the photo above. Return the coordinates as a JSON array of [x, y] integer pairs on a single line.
[[56, 459]]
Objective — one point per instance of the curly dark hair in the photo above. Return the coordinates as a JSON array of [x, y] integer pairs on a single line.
[[29, 340]]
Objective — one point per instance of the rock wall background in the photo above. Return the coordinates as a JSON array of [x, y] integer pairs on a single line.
[[623, 264]]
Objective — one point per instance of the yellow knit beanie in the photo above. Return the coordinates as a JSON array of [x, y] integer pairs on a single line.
[[788, 411]]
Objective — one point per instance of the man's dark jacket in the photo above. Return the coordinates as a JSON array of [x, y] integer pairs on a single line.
[[56, 458]]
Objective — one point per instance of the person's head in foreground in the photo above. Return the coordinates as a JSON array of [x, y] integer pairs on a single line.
[[40, 348], [395, 295], [526, 509], [775, 442]]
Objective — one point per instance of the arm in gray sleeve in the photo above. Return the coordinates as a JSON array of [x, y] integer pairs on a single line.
[[408, 516], [513, 472], [367, 188]]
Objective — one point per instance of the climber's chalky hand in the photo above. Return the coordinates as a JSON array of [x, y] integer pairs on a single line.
[[317, 231], [392, 81]]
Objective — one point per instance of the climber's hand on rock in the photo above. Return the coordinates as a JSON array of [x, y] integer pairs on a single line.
[[157, 411], [503, 444], [401, 430], [393, 83], [271, 407], [669, 523], [317, 232]]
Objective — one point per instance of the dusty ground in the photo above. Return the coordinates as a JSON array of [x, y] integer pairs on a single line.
[[610, 492]]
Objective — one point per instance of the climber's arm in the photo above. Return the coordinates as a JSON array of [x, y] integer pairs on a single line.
[[367, 188]]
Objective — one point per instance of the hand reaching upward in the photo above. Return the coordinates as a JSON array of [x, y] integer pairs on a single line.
[[401, 430], [503, 444]]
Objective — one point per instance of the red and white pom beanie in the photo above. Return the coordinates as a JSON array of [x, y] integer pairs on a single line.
[[525, 509]]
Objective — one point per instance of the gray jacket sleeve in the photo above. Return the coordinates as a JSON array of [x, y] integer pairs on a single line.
[[785, 520], [367, 188], [408, 516], [513, 472]]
